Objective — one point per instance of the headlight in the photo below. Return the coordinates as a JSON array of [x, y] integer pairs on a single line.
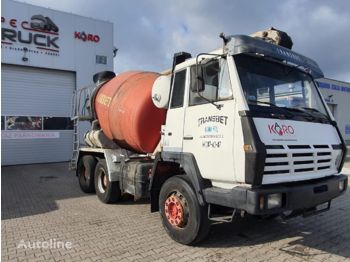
[[274, 201], [341, 185]]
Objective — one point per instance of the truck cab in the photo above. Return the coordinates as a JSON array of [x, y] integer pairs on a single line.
[[249, 127]]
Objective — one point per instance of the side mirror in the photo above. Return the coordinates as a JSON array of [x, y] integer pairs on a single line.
[[197, 79]]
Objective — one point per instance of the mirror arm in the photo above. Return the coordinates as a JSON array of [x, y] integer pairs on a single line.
[[200, 78]]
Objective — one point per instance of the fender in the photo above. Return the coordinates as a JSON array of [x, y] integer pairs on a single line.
[[168, 164], [254, 159], [111, 156]]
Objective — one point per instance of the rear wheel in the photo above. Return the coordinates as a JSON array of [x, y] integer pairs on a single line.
[[184, 219], [85, 172], [108, 192]]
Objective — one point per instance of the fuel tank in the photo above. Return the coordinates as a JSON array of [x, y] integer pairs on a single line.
[[126, 112]]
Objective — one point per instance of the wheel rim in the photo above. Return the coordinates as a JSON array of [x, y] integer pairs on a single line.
[[176, 211], [102, 181]]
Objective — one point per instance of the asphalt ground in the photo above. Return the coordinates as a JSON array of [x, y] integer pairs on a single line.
[[43, 204]]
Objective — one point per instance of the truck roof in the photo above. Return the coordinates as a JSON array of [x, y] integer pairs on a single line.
[[243, 44]]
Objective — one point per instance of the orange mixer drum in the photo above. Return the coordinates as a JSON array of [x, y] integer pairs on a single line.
[[126, 112]]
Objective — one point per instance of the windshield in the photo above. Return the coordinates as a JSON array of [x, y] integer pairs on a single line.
[[279, 87]]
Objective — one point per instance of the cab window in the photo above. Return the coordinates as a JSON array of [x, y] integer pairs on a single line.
[[177, 98], [216, 82]]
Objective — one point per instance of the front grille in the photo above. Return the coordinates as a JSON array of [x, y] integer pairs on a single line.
[[324, 153], [299, 146], [297, 159]]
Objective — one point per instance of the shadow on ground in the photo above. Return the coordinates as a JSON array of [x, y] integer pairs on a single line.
[[33, 189], [304, 238]]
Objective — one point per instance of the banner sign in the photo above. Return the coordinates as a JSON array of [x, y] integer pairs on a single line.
[[333, 87], [29, 135], [347, 129]]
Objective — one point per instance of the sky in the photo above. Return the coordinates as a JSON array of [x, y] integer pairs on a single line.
[[148, 32]]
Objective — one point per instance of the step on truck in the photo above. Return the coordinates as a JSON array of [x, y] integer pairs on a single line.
[[241, 130]]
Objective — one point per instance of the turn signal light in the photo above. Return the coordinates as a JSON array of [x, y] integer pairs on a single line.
[[247, 148], [261, 202]]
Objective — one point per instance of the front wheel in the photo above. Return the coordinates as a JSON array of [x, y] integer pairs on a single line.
[[183, 218], [108, 192]]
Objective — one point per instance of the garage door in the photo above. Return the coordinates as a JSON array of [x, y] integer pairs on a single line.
[[35, 110]]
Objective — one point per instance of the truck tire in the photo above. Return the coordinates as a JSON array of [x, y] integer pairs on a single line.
[[85, 172], [108, 192], [183, 218]]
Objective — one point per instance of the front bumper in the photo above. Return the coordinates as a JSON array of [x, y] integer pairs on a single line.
[[295, 196]]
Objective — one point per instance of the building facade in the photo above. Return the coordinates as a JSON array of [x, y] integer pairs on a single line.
[[45, 56], [337, 97]]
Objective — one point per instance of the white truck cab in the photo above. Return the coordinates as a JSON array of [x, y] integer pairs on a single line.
[[252, 94], [249, 120], [246, 131]]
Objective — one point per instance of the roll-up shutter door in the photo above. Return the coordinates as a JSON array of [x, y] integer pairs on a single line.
[[35, 111]]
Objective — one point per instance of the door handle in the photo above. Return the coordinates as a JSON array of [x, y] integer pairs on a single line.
[[170, 134], [188, 137]]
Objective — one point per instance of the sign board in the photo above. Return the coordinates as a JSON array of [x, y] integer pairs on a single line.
[[6, 135], [41, 37], [347, 129]]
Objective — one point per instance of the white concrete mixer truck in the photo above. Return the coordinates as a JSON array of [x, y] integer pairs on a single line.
[[241, 130]]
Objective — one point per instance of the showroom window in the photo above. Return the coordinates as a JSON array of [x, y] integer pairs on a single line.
[[57, 123], [35, 123], [2, 123], [23, 123]]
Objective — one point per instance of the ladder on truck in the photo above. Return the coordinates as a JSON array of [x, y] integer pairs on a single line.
[[79, 112]]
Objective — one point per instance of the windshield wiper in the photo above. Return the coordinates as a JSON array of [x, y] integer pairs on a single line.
[[312, 117], [315, 110], [286, 112]]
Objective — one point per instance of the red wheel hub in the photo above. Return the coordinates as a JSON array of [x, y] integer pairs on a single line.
[[174, 211], [105, 182]]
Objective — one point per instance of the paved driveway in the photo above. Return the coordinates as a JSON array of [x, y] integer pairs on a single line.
[[45, 217]]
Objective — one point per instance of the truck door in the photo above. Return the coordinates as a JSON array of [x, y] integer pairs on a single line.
[[172, 132], [209, 123]]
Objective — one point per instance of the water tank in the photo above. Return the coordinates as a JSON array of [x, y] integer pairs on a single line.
[[126, 112]]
